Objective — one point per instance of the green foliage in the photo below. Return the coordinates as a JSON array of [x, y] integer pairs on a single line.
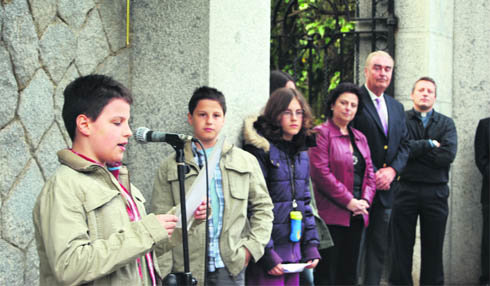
[[307, 37]]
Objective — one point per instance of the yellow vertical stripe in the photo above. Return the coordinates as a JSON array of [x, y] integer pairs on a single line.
[[127, 22]]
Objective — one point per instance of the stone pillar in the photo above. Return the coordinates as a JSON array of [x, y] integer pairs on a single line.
[[423, 47], [178, 46], [471, 102]]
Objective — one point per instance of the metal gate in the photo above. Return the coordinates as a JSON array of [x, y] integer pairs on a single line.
[[321, 42]]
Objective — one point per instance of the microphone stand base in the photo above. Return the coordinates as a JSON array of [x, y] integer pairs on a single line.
[[179, 278]]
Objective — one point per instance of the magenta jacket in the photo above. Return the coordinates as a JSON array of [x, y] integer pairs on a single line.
[[332, 173]]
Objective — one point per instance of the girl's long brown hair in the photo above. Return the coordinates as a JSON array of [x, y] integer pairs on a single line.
[[269, 123]]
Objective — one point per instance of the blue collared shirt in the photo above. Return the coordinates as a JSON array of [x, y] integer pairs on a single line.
[[218, 205]]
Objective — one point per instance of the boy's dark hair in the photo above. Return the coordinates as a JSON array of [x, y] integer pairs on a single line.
[[89, 95], [341, 88], [269, 123], [205, 92], [278, 79]]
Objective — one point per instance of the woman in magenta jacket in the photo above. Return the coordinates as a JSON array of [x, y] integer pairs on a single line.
[[344, 185]]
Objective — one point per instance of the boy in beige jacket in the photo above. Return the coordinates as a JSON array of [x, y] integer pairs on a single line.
[[90, 222], [241, 219]]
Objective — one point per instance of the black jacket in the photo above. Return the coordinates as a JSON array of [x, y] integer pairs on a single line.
[[482, 150], [391, 150], [427, 164]]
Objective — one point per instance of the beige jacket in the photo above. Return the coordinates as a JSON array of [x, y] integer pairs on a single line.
[[83, 232], [243, 187]]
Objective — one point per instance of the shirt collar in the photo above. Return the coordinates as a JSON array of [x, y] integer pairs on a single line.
[[373, 96], [425, 114]]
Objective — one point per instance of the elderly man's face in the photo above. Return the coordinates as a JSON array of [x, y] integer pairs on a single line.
[[378, 73]]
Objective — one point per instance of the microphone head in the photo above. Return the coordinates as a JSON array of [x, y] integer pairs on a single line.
[[140, 134]]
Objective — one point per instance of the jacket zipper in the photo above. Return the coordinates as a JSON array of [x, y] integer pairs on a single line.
[[292, 172]]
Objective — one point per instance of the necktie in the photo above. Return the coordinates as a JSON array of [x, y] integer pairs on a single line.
[[382, 115]]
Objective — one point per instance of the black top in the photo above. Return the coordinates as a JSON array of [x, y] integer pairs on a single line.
[[359, 168], [427, 163]]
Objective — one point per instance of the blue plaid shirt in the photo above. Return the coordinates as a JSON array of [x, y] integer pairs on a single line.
[[216, 193]]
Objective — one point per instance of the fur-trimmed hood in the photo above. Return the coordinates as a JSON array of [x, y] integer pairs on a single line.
[[251, 136]]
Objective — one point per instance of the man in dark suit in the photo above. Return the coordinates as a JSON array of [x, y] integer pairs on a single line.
[[423, 191], [383, 122], [482, 150]]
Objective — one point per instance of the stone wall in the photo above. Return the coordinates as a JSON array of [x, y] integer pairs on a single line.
[[44, 45]]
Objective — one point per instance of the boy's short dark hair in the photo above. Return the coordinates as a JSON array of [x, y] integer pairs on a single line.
[[205, 92], [89, 95]]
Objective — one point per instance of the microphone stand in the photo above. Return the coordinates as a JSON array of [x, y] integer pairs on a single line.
[[181, 278]]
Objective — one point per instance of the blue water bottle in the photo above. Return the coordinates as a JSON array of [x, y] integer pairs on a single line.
[[296, 218]]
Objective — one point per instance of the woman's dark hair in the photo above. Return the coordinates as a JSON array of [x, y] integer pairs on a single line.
[[278, 79], [342, 88], [269, 123]]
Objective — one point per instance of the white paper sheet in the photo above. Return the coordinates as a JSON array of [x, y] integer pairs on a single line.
[[294, 267], [198, 189]]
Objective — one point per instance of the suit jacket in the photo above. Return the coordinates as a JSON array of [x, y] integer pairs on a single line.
[[482, 149], [386, 151]]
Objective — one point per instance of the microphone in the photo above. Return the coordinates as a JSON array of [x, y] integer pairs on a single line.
[[145, 135]]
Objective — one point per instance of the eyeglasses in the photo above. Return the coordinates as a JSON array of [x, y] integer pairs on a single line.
[[289, 113]]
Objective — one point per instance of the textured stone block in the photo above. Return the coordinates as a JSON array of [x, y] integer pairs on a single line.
[[117, 67], [36, 106], [20, 36], [46, 154], [58, 49], [75, 12], [1, 17], [113, 16], [17, 226], [8, 88], [11, 265], [32, 265], [43, 12], [92, 46], [70, 75], [14, 154]]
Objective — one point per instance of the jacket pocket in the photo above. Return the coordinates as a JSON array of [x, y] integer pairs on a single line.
[[442, 192], [105, 212], [98, 198], [238, 180], [239, 184]]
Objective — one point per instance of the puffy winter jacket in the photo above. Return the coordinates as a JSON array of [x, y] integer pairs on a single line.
[[287, 178]]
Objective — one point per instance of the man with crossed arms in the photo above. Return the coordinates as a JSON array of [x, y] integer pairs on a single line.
[[423, 189]]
